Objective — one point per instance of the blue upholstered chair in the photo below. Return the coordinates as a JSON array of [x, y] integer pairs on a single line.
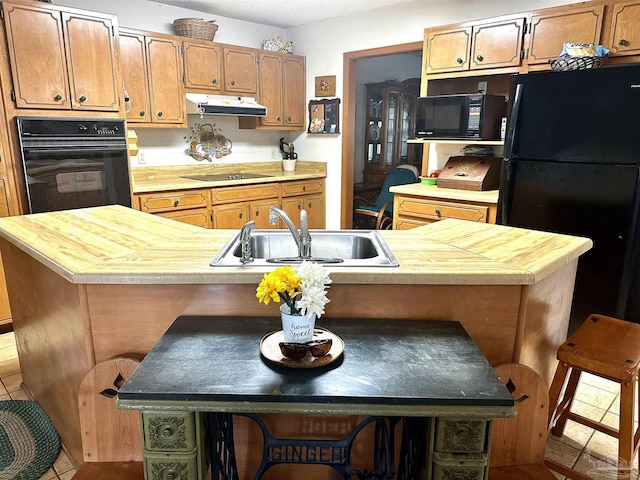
[[382, 210]]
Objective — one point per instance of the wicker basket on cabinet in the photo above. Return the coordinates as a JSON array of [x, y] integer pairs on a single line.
[[195, 28]]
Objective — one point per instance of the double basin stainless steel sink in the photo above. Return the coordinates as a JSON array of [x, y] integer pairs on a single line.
[[338, 248]]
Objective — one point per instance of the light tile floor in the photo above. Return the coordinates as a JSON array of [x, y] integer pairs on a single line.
[[582, 448], [10, 388], [578, 448]]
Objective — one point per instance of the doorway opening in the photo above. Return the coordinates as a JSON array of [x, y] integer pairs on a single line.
[[391, 63]]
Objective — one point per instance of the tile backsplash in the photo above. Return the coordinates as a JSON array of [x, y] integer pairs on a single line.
[[168, 146]]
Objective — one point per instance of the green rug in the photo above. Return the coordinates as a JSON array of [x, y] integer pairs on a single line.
[[29, 443]]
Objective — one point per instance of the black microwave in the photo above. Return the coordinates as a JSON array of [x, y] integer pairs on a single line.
[[474, 116]]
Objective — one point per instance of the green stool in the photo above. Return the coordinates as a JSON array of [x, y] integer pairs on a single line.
[[29, 443]]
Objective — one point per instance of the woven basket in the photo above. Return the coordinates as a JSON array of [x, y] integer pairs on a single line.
[[564, 64], [195, 28]]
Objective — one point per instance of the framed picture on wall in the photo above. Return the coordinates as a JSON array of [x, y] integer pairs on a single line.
[[324, 116]]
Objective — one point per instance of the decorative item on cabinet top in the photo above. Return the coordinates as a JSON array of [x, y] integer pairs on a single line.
[[195, 28], [277, 44], [579, 56], [324, 116]]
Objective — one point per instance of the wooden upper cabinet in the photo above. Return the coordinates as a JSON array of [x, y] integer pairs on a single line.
[[240, 70], [625, 29], [473, 47], [91, 59], [152, 75], [166, 90], [134, 75], [293, 103], [271, 88], [202, 66], [497, 44], [69, 64], [550, 28], [448, 49]]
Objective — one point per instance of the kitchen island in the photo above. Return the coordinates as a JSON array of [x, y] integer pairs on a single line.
[[93, 285]]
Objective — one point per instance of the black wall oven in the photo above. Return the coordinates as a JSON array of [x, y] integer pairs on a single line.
[[74, 163]]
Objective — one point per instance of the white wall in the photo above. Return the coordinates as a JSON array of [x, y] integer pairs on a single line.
[[323, 44]]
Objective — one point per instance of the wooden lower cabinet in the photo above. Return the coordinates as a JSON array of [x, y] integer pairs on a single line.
[[312, 204], [232, 207], [414, 211], [230, 215]]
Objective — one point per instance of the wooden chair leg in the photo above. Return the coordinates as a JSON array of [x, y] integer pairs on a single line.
[[566, 402], [626, 429], [556, 389]]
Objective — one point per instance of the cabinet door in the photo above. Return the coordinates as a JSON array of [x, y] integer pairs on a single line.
[[271, 88], [231, 215], [134, 76], [259, 213], [38, 62], [293, 82], [497, 44], [314, 206], [625, 29], [202, 66], [548, 31], [292, 207], [5, 311], [240, 71], [448, 50], [89, 43], [166, 90]]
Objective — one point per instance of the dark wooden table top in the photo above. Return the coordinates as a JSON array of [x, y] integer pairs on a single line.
[[407, 367]]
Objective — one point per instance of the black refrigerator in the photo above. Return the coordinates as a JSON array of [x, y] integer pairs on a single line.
[[571, 164]]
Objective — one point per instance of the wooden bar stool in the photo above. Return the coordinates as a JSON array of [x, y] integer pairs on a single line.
[[609, 348]]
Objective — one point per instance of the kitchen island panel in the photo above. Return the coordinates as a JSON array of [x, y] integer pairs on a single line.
[[53, 339]]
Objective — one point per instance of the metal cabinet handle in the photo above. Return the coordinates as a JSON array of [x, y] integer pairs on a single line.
[[57, 98], [299, 207], [304, 188], [622, 42], [83, 98], [278, 118], [479, 58], [160, 113], [233, 82], [240, 215], [214, 81], [257, 212], [288, 119], [438, 212], [142, 113], [309, 205], [459, 60], [176, 203]]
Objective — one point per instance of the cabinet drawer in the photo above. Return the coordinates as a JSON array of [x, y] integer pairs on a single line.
[[440, 210], [447, 466], [237, 194], [301, 187], [169, 201], [200, 217], [460, 435], [169, 431]]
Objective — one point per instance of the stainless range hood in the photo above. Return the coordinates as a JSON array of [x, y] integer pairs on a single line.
[[224, 105]]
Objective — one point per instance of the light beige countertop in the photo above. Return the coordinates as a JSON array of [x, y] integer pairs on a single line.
[[433, 191], [157, 179], [119, 245]]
